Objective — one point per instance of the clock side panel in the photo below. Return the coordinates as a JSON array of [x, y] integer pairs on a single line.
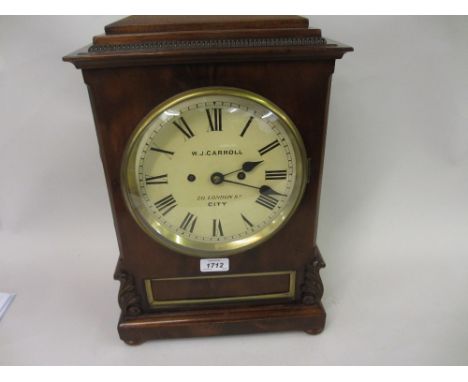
[[121, 97]]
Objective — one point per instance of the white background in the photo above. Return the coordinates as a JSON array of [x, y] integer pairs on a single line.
[[393, 225]]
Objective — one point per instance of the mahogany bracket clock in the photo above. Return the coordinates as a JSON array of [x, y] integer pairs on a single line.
[[211, 131]]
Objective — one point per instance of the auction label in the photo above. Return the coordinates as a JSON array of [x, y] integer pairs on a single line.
[[214, 265]]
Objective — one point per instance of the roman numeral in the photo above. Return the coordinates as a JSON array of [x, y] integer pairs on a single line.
[[160, 179], [275, 174], [216, 121], [184, 128], [267, 201], [217, 228], [166, 204], [162, 151], [247, 221], [189, 218], [246, 126], [269, 147]]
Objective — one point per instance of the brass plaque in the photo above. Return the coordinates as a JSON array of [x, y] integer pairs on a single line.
[[220, 288]]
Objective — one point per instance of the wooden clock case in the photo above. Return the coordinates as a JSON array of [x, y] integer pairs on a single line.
[[142, 61]]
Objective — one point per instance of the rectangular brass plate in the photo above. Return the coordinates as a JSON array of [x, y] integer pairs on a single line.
[[254, 281]]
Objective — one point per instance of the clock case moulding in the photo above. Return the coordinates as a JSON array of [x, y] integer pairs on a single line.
[[143, 60]]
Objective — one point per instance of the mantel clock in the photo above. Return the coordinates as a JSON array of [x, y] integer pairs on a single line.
[[211, 131]]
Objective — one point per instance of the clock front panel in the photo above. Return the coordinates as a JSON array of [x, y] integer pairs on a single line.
[[148, 221]]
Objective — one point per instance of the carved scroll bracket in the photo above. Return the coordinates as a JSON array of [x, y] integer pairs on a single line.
[[129, 299], [312, 288]]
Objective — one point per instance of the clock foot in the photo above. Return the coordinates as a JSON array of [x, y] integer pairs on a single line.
[[133, 342], [314, 331]]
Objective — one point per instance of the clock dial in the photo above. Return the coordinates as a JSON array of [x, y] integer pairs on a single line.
[[214, 171]]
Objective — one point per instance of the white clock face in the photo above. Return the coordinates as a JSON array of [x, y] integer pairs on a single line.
[[214, 171]]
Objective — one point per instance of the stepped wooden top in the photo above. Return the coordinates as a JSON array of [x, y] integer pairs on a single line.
[[141, 40], [154, 24]]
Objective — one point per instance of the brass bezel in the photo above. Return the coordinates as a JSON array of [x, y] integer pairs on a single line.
[[178, 243]]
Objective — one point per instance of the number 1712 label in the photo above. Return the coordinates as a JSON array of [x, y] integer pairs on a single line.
[[214, 265]]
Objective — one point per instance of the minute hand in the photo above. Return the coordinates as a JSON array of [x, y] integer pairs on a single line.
[[264, 190]]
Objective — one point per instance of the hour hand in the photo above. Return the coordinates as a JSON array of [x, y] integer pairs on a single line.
[[246, 166], [249, 166]]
